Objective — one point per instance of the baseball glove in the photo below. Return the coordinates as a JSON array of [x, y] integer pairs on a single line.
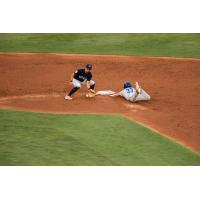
[[91, 93]]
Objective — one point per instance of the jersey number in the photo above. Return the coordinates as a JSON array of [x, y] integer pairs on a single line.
[[129, 90]]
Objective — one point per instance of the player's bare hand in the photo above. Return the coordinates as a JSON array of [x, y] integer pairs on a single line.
[[70, 84]]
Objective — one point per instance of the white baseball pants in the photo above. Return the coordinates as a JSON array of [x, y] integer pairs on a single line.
[[77, 83], [143, 96]]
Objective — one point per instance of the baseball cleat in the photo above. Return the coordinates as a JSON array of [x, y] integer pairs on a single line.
[[68, 97], [138, 88]]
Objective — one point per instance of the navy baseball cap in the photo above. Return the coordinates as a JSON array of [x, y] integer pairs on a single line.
[[89, 66]]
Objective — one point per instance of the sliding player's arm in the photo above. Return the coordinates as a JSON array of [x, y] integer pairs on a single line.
[[116, 94]]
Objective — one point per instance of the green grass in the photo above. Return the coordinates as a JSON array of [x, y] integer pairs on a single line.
[[176, 45], [50, 139], [47, 139]]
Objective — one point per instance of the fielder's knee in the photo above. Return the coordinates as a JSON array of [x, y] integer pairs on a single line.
[[76, 83], [92, 84], [77, 86]]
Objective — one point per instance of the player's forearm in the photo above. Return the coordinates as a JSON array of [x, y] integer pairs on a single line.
[[116, 94], [71, 77], [88, 85]]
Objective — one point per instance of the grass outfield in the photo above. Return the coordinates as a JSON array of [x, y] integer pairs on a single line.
[[176, 45], [50, 139]]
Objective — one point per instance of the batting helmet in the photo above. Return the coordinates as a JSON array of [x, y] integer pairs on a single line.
[[127, 85], [89, 66]]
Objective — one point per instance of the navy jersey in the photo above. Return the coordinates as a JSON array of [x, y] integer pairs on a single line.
[[81, 75]]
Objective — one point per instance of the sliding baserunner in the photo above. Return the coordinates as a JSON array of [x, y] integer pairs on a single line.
[[133, 94]]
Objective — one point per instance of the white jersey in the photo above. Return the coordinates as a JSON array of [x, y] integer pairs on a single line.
[[129, 94]]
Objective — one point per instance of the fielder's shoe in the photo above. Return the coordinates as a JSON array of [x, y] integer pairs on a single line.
[[68, 97], [138, 88]]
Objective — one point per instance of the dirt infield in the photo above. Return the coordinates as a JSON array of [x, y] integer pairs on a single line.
[[37, 82]]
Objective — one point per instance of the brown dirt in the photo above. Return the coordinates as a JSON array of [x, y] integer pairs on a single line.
[[38, 82]]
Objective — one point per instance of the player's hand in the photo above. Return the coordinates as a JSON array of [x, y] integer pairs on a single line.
[[70, 84], [114, 95]]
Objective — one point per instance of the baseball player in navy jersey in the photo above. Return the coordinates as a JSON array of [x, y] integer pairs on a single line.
[[133, 94], [81, 77]]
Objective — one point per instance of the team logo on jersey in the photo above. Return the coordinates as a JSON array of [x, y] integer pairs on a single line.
[[81, 77]]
